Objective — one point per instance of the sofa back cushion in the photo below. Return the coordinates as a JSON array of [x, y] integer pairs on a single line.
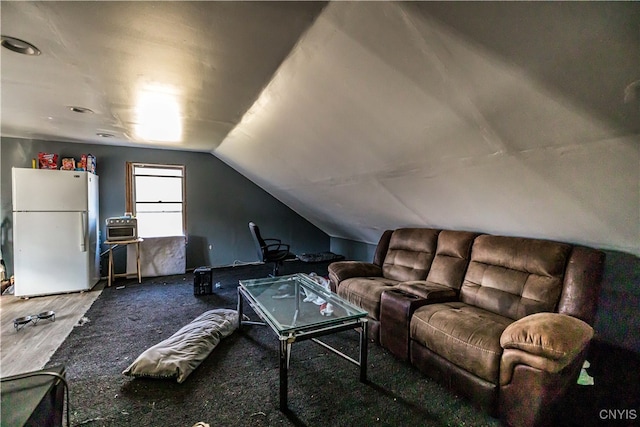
[[452, 257], [513, 276], [410, 253]]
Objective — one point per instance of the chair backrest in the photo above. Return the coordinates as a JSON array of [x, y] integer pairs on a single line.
[[258, 240]]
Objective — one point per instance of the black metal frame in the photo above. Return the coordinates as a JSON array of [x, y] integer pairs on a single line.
[[310, 332], [45, 373]]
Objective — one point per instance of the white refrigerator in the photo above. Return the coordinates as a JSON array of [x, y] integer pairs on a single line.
[[56, 247]]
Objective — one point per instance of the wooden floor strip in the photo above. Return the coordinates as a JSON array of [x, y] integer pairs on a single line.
[[30, 347]]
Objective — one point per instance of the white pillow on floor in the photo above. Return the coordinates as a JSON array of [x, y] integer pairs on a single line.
[[182, 352]]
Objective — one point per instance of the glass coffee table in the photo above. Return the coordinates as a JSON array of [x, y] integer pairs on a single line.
[[288, 304]]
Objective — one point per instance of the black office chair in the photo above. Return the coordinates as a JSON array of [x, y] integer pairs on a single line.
[[270, 250]]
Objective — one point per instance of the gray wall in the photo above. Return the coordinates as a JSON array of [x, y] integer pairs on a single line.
[[352, 250], [220, 201]]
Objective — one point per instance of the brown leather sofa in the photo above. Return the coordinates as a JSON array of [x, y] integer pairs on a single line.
[[504, 321]]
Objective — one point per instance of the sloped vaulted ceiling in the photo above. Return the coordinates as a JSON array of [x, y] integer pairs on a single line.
[[519, 118], [502, 117]]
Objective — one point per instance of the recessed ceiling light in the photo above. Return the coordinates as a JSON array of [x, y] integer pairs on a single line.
[[105, 135], [19, 46], [81, 110]]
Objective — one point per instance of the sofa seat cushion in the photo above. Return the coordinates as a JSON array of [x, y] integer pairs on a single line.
[[366, 292], [466, 336]]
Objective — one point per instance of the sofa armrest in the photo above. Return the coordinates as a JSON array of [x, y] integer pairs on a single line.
[[546, 341], [343, 270], [542, 357], [432, 292]]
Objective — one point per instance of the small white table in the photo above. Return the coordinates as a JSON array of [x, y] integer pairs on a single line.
[[114, 243]]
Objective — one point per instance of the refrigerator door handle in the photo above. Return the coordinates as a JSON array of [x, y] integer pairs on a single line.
[[83, 230]]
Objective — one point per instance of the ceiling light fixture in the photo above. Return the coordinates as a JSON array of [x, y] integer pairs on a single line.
[[81, 110], [158, 116], [19, 46], [105, 135]]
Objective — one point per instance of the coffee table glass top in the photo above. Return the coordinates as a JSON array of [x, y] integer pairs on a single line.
[[294, 303]]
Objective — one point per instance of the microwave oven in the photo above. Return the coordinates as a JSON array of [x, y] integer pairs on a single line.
[[122, 228]]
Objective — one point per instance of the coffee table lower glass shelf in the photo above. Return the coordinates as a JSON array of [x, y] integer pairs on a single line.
[[288, 304]]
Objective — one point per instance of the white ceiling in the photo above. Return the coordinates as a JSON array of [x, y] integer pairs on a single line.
[[214, 57], [514, 118]]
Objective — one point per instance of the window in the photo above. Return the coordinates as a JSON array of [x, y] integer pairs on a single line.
[[156, 196]]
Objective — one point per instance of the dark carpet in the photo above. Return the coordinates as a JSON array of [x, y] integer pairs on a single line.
[[237, 385]]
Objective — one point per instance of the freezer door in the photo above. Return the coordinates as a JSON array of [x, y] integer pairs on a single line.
[[51, 253], [49, 190]]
